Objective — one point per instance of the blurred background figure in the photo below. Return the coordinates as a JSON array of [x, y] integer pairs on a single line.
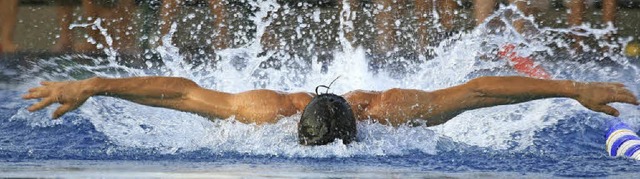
[[577, 15], [577, 11], [64, 12], [384, 28], [115, 17], [389, 11], [8, 13], [446, 13], [218, 12], [484, 8]]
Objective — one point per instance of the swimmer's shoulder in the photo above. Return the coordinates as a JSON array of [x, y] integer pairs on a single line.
[[300, 99], [361, 97], [360, 92]]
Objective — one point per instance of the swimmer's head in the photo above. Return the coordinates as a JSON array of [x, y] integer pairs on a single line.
[[327, 117]]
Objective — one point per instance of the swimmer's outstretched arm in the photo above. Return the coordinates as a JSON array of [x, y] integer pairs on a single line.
[[397, 106], [257, 106]]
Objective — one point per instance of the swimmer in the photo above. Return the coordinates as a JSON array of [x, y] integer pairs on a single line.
[[8, 18], [326, 117]]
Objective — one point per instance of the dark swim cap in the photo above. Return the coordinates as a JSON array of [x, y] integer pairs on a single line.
[[327, 117]]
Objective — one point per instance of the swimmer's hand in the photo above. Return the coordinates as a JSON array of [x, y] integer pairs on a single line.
[[596, 96], [70, 95]]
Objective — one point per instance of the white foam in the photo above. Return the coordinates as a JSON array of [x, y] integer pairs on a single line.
[[457, 60]]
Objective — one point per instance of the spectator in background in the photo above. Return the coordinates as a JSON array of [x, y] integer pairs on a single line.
[[64, 17], [116, 17], [577, 10], [218, 10], [8, 13], [577, 14], [446, 13], [483, 8], [388, 12]]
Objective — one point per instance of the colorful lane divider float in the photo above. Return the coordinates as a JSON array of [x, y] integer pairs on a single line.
[[622, 141]]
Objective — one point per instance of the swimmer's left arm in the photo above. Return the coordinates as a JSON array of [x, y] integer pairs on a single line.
[[492, 91], [398, 106]]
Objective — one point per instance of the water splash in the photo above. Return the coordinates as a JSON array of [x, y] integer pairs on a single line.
[[97, 25], [458, 59]]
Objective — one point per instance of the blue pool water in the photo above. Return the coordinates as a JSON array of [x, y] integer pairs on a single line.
[[110, 137], [554, 137], [574, 146]]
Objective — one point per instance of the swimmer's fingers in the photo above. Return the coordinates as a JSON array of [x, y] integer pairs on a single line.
[[42, 104], [607, 109], [47, 83], [62, 110], [627, 99], [618, 85], [34, 93], [625, 96]]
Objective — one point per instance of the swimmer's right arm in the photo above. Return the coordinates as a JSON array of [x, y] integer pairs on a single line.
[[167, 92]]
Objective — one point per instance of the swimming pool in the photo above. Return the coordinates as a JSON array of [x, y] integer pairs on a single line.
[[109, 137]]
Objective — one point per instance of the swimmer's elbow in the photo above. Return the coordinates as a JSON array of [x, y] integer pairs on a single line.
[[477, 87], [188, 87], [187, 83]]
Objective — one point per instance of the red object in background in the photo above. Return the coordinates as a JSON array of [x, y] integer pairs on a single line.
[[524, 65]]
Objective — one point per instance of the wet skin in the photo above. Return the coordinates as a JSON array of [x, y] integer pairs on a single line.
[[393, 106]]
